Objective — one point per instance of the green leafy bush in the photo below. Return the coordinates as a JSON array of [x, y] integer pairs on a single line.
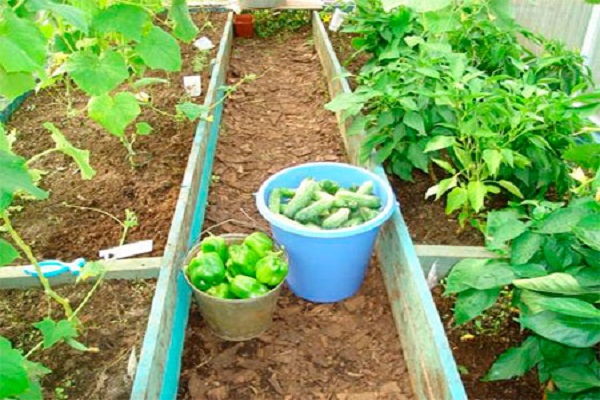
[[552, 266], [455, 88]]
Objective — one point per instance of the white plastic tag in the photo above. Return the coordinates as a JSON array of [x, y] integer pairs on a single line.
[[203, 44], [193, 85], [337, 19], [127, 250]]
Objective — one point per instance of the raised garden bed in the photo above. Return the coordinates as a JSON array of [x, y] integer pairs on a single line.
[[272, 123], [429, 361], [117, 317], [477, 344]]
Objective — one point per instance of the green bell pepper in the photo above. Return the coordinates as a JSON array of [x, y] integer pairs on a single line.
[[242, 260], [206, 270], [246, 287], [260, 243], [222, 291], [271, 269], [214, 244]]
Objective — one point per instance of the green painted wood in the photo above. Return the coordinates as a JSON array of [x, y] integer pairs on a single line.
[[129, 269], [431, 366], [148, 381]]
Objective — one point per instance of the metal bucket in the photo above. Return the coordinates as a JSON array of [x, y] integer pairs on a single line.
[[235, 319]]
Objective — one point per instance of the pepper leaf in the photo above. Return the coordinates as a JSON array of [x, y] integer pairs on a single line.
[[576, 378], [472, 302], [515, 361], [525, 246], [588, 231], [571, 331]]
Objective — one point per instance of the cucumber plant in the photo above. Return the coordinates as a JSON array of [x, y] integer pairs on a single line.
[[104, 47], [20, 376]]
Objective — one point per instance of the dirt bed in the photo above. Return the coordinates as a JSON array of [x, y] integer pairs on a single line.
[[151, 191], [476, 346], [348, 350], [114, 320]]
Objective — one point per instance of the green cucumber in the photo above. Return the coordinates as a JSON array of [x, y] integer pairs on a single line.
[[367, 214], [329, 186], [353, 188], [313, 211], [282, 208], [287, 192], [353, 222], [302, 198], [336, 219], [320, 195], [366, 188], [275, 201], [362, 200]]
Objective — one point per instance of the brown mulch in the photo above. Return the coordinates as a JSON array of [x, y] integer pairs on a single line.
[[114, 322], [348, 350], [476, 355], [57, 231]]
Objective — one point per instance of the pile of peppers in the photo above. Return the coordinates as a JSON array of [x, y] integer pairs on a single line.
[[238, 271]]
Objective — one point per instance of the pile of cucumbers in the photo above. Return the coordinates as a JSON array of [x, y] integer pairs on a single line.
[[325, 204]]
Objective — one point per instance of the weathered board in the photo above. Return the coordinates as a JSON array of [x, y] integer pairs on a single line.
[[157, 375], [430, 362], [445, 257], [133, 268]]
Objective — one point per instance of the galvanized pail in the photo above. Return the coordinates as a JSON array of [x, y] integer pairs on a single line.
[[235, 319]]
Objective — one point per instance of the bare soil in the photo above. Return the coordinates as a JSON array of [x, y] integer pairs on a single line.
[[114, 322], [487, 337], [348, 350], [151, 190]]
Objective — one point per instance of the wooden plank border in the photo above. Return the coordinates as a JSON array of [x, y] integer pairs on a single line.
[[431, 366], [157, 375], [132, 268], [445, 257]]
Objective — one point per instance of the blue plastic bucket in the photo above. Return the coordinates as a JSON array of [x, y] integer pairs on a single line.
[[326, 265]]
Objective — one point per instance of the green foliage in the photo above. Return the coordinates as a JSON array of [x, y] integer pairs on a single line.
[[450, 84], [553, 272], [100, 45], [268, 23], [114, 113]]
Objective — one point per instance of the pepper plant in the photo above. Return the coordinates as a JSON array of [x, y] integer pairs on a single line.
[[449, 84], [552, 268]]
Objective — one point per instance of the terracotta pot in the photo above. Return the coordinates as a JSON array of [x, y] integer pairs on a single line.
[[243, 25]]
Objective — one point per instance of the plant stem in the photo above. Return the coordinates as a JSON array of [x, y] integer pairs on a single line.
[[98, 211], [40, 155], [43, 280], [89, 295]]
